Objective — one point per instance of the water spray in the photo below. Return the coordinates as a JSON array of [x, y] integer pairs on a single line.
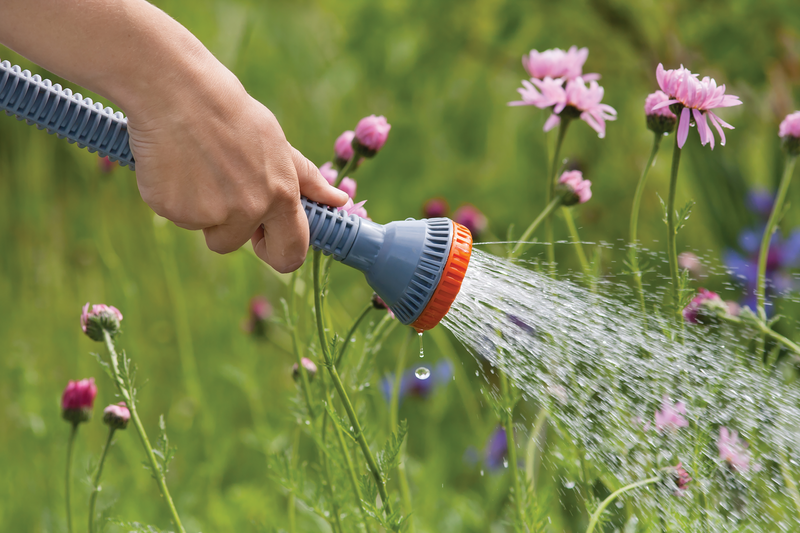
[[415, 266]]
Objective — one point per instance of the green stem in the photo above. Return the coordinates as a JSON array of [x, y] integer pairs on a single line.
[[350, 166], [336, 524], [96, 482], [353, 328], [533, 446], [765, 330], [551, 186], [70, 443], [789, 481], [508, 424], [634, 225], [337, 383], [613, 496], [672, 249], [292, 507], [544, 215], [394, 407], [576, 240], [304, 381], [351, 470], [148, 449]]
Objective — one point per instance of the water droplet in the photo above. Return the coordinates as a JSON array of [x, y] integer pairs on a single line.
[[422, 373], [569, 484], [421, 351], [481, 471], [505, 463]]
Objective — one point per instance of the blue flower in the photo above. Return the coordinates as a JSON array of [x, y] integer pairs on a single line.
[[411, 385], [760, 201], [496, 452]]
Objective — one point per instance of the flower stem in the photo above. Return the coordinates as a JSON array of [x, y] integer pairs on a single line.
[[551, 187], [350, 166], [533, 446], [351, 471], [304, 383], [772, 223], [336, 524], [634, 225], [353, 328], [148, 449], [672, 249], [544, 215], [394, 407], [292, 506], [613, 496], [337, 383], [68, 477], [576, 240], [508, 424], [96, 482], [765, 330]]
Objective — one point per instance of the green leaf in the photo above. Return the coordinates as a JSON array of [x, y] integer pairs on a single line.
[[682, 215], [663, 210], [389, 457]]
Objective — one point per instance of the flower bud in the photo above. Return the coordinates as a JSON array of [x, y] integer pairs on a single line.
[[329, 173], [100, 317], [471, 218], [343, 147], [435, 207], [661, 120], [789, 131], [260, 311], [117, 415], [573, 188], [106, 165], [310, 367], [78, 400], [705, 308], [348, 185], [378, 303], [370, 135]]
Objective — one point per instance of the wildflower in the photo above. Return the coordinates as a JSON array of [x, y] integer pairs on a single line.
[[378, 303], [573, 188], [496, 452], [544, 93], [435, 207], [99, 318], [259, 313], [308, 364], [556, 63], [348, 185], [578, 101], [78, 400], [329, 173], [411, 385], [704, 307], [343, 148], [670, 417], [117, 415], [759, 201], [689, 261], [699, 96], [733, 451], [681, 479], [661, 120], [789, 131], [355, 209], [470, 217], [371, 134], [106, 165]]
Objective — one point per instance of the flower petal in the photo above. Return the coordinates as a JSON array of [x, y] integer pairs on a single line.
[[665, 103], [683, 127], [553, 121]]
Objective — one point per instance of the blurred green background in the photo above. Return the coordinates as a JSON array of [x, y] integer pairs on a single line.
[[442, 72]]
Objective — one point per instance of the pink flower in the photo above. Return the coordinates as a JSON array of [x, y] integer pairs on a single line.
[[733, 451], [578, 99], [689, 261], [670, 416], [692, 311], [355, 209], [547, 92], [78, 400], [117, 415], [576, 190], [697, 98], [681, 479], [378, 303], [435, 207], [371, 134], [344, 145], [790, 126], [308, 364], [556, 63], [100, 317], [470, 217], [106, 165], [348, 185], [329, 173], [656, 98], [259, 312]]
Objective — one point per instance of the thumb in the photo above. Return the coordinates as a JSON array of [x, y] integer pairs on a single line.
[[313, 185]]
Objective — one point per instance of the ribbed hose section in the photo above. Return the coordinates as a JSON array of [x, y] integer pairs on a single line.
[[70, 116], [331, 230]]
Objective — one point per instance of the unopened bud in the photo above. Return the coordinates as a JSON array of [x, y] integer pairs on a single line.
[[99, 318], [117, 415], [308, 364]]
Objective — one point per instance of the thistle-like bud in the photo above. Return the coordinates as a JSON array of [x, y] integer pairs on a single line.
[[789, 131], [370, 135], [99, 318], [77, 400], [117, 415], [573, 188], [378, 303], [660, 121], [310, 367]]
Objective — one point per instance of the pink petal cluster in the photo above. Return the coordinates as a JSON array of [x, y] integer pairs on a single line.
[[355, 209], [79, 395], [581, 188], [372, 132], [682, 479], [348, 185], [698, 98], [329, 173], [652, 100], [471, 218], [732, 450], [435, 207], [556, 63], [308, 364], [97, 310], [344, 145], [106, 165], [790, 126], [691, 311], [547, 92], [117, 415], [260, 308], [670, 417]]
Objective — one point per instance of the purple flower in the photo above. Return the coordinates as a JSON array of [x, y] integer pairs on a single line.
[[411, 385], [77, 400], [733, 451], [117, 415], [692, 312], [496, 452], [470, 217], [759, 201], [435, 207], [670, 416]]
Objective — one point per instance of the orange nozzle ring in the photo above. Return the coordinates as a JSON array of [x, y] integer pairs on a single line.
[[450, 282]]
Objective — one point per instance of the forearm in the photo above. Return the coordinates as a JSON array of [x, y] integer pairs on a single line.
[[128, 51]]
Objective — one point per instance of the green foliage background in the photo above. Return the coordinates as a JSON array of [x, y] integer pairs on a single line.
[[441, 72]]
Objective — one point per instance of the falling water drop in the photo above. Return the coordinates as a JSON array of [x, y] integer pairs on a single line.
[[422, 373], [421, 351]]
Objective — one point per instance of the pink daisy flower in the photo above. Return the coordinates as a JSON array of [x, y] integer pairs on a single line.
[[670, 417], [790, 126], [586, 100], [732, 450], [697, 98], [556, 63], [547, 92]]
